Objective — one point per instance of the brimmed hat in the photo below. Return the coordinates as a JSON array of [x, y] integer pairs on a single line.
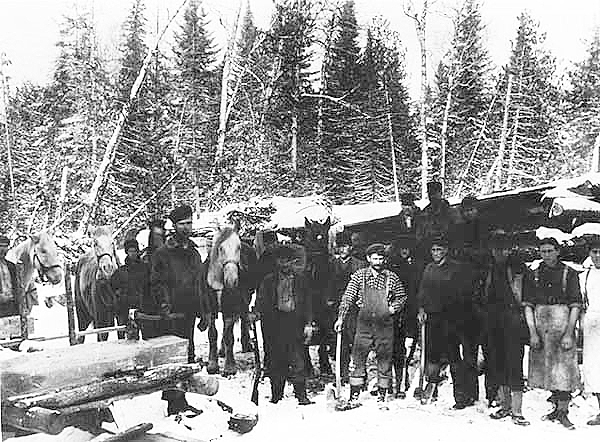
[[4, 241], [376, 248], [180, 213], [131, 244]]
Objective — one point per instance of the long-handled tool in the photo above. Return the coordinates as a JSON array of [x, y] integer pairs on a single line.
[[257, 364], [334, 396], [419, 390]]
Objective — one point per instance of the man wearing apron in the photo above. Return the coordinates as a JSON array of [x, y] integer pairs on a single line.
[[589, 281], [552, 302], [379, 294]]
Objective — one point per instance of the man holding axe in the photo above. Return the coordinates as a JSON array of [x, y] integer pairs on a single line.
[[378, 294]]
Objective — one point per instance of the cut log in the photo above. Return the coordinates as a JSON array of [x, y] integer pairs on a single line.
[[36, 419], [130, 433], [150, 381], [46, 371]]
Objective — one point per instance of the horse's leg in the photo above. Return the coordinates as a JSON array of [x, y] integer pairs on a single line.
[[84, 318], [245, 333], [213, 362], [230, 367]]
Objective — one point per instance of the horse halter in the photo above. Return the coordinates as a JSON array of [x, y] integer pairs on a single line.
[[43, 269]]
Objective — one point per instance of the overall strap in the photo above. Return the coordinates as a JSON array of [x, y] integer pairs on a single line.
[[584, 290]]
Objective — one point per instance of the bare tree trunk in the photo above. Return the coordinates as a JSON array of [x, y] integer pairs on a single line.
[[420, 26], [109, 153], [513, 151], [444, 131], [9, 160], [595, 166], [503, 135], [329, 34], [63, 193], [392, 143], [294, 142], [225, 88]]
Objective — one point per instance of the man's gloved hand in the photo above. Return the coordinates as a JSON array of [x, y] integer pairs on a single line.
[[421, 316], [338, 326], [165, 309], [567, 342], [534, 341]]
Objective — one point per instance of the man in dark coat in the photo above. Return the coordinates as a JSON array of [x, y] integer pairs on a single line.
[[343, 266], [285, 307], [131, 283], [378, 294], [402, 264], [552, 301], [502, 294], [11, 292], [178, 280]]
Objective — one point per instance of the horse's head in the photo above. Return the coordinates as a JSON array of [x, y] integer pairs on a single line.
[[45, 257], [316, 237], [104, 249], [224, 261]]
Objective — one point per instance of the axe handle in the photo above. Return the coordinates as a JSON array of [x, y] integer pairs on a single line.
[[338, 364]]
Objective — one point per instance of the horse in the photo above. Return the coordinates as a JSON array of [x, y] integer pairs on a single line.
[[94, 297], [230, 275], [316, 243], [37, 254]]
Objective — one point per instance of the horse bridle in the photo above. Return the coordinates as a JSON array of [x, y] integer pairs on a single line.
[[43, 271]]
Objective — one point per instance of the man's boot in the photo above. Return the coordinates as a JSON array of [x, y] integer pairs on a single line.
[[354, 393], [594, 421], [552, 416], [562, 416], [277, 387], [381, 393], [428, 392], [300, 393]]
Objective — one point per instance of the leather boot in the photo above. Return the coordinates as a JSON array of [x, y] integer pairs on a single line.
[[300, 393], [277, 387], [552, 416], [354, 393], [562, 415], [381, 392]]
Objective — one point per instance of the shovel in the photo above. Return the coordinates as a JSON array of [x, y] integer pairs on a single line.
[[418, 393], [334, 396]]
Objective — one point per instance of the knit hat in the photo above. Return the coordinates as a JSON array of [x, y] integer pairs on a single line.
[[131, 244], [180, 213]]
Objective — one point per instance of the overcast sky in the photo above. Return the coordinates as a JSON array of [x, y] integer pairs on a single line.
[[29, 28]]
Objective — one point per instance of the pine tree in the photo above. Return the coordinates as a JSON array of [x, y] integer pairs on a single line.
[[196, 94], [462, 101], [526, 130]]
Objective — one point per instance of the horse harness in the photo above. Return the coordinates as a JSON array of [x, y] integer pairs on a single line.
[[43, 269]]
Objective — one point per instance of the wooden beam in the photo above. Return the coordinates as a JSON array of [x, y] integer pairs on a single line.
[[35, 419]]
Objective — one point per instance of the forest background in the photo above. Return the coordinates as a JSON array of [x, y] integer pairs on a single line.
[[311, 103]]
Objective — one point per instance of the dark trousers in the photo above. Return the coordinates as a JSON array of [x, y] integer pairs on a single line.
[[377, 334], [287, 346], [267, 330], [399, 350], [463, 364], [505, 362], [348, 335]]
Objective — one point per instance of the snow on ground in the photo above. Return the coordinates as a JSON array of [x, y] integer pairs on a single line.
[[290, 422]]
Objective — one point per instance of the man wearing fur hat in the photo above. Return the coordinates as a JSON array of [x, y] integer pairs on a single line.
[[131, 284], [552, 302], [378, 294], [178, 279], [11, 292], [284, 304]]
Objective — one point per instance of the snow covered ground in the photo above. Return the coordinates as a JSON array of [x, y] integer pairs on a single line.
[[289, 422]]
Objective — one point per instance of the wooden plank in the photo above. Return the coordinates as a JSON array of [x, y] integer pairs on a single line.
[[57, 368], [36, 419]]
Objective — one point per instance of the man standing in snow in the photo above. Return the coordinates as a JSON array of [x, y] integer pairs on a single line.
[[552, 302], [378, 294], [589, 281]]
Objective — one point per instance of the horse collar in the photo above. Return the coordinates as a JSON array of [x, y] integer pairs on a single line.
[[43, 269]]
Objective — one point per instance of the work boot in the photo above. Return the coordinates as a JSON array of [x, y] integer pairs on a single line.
[[354, 393], [381, 393], [563, 419], [594, 421], [300, 393], [552, 416], [277, 387], [428, 392]]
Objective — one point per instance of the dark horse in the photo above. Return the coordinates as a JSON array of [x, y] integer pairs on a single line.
[[231, 269], [316, 242]]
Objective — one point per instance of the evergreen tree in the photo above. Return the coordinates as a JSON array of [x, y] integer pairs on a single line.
[[528, 150], [196, 94], [462, 100]]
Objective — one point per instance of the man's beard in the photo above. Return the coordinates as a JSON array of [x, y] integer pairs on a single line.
[[377, 267]]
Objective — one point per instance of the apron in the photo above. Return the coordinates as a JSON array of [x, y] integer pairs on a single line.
[[591, 351], [551, 367]]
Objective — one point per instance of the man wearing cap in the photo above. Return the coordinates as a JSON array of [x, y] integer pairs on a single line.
[[343, 266], [178, 280], [284, 304], [589, 281], [402, 264], [506, 340], [443, 291], [131, 284], [10, 285], [378, 294], [433, 221], [552, 302]]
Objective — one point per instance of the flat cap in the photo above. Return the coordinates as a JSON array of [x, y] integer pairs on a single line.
[[549, 240], [440, 240], [376, 248], [131, 244], [180, 213]]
